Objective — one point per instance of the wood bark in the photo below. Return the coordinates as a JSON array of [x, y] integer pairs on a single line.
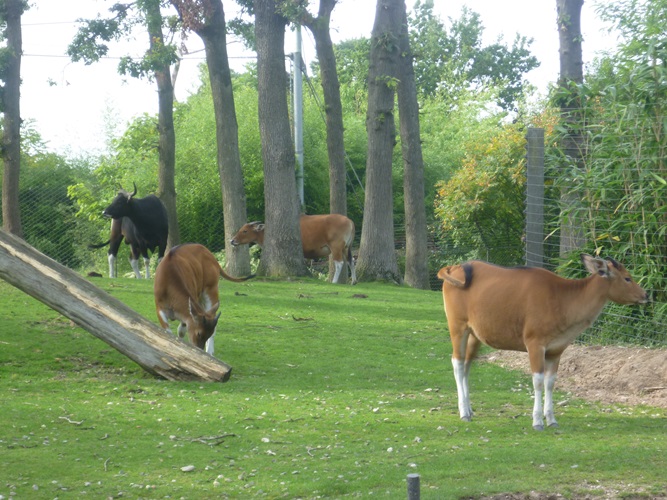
[[416, 239], [320, 28], [104, 316], [282, 253], [167, 136], [573, 143], [11, 109], [208, 21], [377, 255]]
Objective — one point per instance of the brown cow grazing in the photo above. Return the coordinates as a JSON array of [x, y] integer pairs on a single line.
[[527, 309], [321, 236], [186, 289]]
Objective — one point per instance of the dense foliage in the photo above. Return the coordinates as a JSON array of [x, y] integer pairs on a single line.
[[480, 208], [623, 187]]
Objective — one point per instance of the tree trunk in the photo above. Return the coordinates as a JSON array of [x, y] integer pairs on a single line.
[[282, 254], [573, 144], [416, 252], [105, 317], [319, 27], [10, 104], [377, 255], [167, 136], [209, 23]]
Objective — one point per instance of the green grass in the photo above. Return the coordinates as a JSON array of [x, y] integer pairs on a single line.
[[335, 391]]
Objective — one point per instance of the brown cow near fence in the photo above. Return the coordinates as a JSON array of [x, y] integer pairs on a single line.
[[321, 236], [527, 309]]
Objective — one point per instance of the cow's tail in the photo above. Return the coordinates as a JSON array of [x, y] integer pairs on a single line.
[[231, 278], [98, 245], [452, 275]]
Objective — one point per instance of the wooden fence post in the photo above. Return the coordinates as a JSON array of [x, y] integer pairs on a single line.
[[535, 197], [104, 316]]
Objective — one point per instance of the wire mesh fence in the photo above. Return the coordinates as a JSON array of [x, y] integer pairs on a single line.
[[610, 214], [624, 219]]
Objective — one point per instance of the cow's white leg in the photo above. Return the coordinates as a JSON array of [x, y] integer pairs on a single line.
[[466, 386], [460, 375], [352, 271], [538, 386], [135, 265], [112, 266], [338, 266], [164, 320], [147, 265], [551, 368], [210, 344]]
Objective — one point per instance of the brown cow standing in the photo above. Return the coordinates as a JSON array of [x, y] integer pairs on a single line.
[[321, 236], [527, 309], [186, 289]]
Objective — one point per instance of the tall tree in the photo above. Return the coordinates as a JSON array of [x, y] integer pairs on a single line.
[[10, 97], [319, 27], [167, 137], [207, 19], [282, 254], [90, 44], [448, 57], [377, 256], [573, 145], [416, 252]]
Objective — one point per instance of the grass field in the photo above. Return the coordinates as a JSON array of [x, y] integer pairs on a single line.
[[336, 391]]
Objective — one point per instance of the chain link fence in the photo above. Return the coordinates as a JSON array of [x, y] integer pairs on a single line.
[[52, 224]]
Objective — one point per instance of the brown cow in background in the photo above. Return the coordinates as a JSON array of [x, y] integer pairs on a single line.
[[321, 236]]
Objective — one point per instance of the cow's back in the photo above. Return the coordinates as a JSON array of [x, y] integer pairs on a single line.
[[320, 232], [185, 272], [497, 302]]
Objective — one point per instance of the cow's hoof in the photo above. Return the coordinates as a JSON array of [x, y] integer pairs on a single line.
[[554, 425], [538, 427], [466, 419]]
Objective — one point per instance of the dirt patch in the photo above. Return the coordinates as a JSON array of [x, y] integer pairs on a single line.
[[609, 375], [632, 376]]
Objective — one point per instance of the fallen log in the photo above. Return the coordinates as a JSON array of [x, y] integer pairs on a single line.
[[104, 316]]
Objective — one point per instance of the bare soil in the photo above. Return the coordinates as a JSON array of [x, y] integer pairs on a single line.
[[632, 376]]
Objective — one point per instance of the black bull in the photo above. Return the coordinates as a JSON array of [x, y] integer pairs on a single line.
[[144, 225]]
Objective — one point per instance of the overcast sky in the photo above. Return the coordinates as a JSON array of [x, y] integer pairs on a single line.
[[74, 105]]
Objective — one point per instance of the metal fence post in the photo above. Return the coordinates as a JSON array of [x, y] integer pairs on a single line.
[[413, 487], [535, 197]]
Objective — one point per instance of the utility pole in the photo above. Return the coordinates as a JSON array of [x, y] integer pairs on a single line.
[[298, 115]]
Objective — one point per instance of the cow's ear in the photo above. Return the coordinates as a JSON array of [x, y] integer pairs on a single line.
[[192, 313], [595, 265], [259, 227]]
